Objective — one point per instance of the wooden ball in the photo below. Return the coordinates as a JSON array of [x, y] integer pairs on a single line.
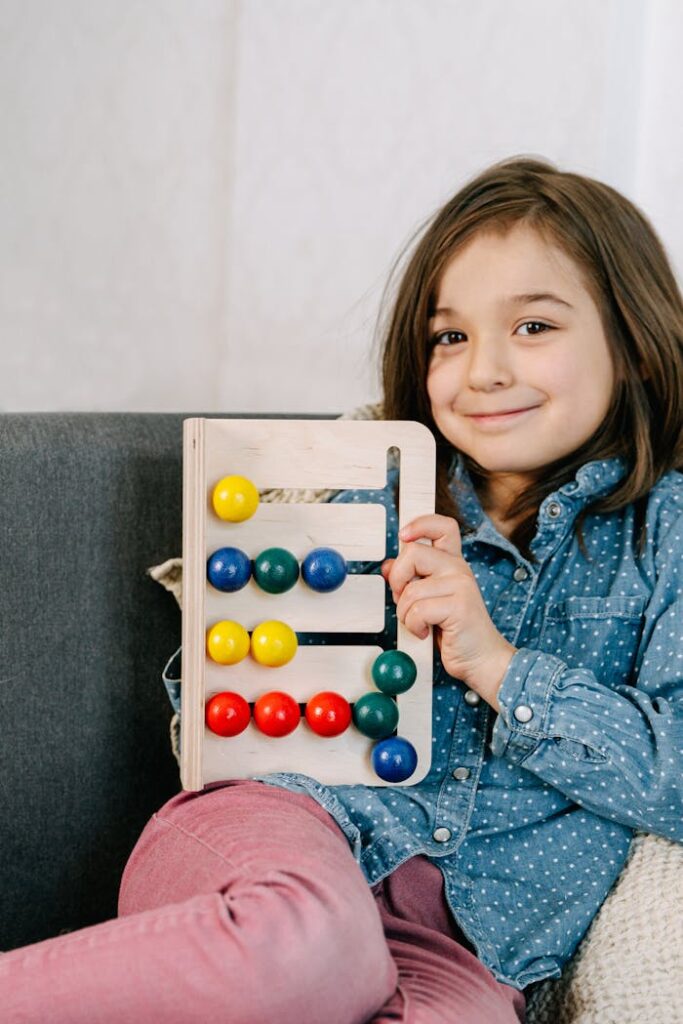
[[323, 569], [394, 672], [276, 570], [228, 570], [227, 714], [227, 642], [375, 715], [394, 759], [276, 713], [235, 499], [328, 713], [273, 643]]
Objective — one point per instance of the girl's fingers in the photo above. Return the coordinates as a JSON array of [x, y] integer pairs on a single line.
[[385, 567], [425, 589], [428, 602], [425, 613], [443, 532], [416, 560]]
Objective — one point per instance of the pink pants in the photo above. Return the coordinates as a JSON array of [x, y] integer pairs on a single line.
[[243, 904]]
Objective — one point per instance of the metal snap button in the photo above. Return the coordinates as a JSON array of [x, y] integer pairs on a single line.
[[441, 835], [461, 774], [523, 713], [520, 574], [554, 509], [472, 698]]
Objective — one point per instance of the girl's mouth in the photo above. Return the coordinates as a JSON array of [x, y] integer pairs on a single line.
[[501, 418]]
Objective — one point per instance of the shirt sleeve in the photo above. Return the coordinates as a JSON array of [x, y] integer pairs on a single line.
[[617, 751]]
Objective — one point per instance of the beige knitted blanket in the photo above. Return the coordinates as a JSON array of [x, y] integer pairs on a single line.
[[629, 967]]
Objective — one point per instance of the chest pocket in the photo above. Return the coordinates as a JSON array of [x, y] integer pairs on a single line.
[[598, 633]]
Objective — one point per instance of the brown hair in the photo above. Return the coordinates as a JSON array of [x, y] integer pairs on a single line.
[[627, 271]]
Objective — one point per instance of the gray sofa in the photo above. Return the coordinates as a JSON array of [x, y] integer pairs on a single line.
[[89, 502]]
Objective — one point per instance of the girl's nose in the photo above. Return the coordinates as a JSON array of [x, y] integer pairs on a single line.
[[488, 366]]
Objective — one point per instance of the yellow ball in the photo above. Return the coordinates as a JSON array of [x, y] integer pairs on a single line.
[[235, 499], [273, 643], [227, 643]]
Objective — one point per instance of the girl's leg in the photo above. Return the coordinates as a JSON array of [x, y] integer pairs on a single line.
[[440, 980], [242, 904]]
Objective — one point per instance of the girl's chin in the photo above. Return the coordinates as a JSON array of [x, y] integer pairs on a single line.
[[509, 468], [513, 466]]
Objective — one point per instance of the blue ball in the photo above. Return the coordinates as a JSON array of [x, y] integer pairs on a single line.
[[228, 569], [394, 759], [323, 569]]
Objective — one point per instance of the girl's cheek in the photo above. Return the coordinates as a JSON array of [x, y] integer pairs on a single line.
[[440, 382]]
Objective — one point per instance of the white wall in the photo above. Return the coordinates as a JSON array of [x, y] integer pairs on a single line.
[[200, 202], [115, 178]]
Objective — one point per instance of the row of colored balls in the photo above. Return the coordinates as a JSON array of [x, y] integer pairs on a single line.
[[393, 673], [328, 714], [272, 643], [275, 570]]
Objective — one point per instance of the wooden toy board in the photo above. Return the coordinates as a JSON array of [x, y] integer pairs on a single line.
[[299, 454]]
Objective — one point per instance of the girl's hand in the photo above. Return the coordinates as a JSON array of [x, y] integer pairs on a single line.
[[434, 586]]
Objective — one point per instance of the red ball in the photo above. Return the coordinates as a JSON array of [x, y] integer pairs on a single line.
[[276, 713], [328, 713], [227, 714]]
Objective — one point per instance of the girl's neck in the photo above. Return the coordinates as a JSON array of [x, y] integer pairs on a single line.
[[496, 497]]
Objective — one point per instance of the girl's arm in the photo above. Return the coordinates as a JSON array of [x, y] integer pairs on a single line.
[[618, 751]]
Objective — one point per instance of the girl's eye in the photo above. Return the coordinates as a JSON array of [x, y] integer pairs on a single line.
[[447, 338], [535, 323]]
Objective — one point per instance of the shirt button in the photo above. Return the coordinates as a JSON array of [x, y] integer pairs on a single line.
[[461, 773], [441, 835], [523, 713], [520, 574], [472, 698], [554, 509]]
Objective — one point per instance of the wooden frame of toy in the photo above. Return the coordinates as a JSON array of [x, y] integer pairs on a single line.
[[254, 701]]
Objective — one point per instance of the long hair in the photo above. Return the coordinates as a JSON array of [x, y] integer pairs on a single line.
[[627, 272]]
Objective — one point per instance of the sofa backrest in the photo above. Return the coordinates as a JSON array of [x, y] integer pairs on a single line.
[[88, 502]]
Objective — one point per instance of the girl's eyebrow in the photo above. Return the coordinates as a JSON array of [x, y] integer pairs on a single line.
[[523, 300], [516, 300]]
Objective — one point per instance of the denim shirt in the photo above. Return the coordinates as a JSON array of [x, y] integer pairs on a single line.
[[529, 813]]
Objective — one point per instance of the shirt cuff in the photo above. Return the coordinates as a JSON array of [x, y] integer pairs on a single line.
[[523, 698]]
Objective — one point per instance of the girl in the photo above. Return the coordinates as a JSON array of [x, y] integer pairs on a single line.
[[538, 331]]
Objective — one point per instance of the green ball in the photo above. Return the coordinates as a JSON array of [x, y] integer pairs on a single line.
[[375, 715], [394, 672], [276, 570]]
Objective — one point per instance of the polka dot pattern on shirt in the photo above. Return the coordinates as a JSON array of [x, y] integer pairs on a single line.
[[529, 814]]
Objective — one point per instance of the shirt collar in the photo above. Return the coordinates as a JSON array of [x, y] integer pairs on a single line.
[[595, 479], [591, 481]]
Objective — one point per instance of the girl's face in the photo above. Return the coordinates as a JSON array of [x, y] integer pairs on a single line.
[[520, 374]]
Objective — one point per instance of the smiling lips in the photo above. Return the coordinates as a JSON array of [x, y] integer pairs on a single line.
[[505, 416]]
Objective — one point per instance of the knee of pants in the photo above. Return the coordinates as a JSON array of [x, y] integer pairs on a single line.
[[208, 841], [327, 944], [280, 947], [289, 891]]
